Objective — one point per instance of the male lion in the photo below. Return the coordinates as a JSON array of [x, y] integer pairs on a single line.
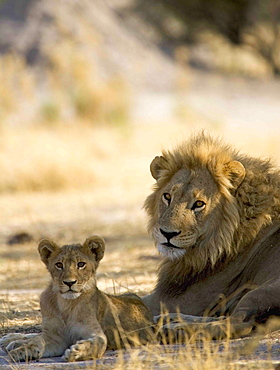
[[76, 313], [214, 215]]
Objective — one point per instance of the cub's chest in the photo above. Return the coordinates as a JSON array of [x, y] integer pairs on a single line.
[[79, 310], [77, 320], [76, 331]]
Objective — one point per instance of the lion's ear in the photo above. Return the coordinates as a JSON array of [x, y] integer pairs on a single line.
[[157, 166], [45, 248], [96, 246], [235, 172]]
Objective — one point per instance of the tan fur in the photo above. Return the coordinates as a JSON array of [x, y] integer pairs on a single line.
[[79, 320], [213, 247]]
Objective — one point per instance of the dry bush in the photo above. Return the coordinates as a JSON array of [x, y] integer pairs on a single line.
[[264, 38], [67, 89], [17, 87], [76, 90], [215, 51]]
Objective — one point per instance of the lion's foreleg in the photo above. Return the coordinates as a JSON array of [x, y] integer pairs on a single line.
[[179, 327], [182, 318], [55, 336], [54, 346], [33, 347], [220, 329], [7, 339], [88, 349], [183, 331], [26, 348], [254, 307]]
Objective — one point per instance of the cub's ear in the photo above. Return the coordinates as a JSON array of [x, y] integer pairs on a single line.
[[235, 172], [158, 164], [96, 246], [45, 248]]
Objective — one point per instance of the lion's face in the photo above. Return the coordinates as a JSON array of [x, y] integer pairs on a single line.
[[72, 267], [193, 210], [184, 211]]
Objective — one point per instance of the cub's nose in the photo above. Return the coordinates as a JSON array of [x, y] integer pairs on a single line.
[[169, 235], [69, 282]]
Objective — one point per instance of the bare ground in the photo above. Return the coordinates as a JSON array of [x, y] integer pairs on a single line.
[[129, 264]]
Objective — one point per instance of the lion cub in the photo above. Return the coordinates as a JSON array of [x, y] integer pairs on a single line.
[[78, 320]]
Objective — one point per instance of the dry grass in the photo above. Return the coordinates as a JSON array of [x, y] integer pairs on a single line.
[[35, 159], [72, 166]]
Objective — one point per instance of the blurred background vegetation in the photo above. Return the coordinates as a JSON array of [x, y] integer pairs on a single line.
[[85, 83], [252, 24]]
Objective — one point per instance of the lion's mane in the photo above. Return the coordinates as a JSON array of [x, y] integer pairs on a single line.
[[238, 218]]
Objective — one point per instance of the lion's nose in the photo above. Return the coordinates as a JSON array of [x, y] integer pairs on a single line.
[[169, 235], [69, 283]]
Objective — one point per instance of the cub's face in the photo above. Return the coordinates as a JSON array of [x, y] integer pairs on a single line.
[[72, 267], [72, 271]]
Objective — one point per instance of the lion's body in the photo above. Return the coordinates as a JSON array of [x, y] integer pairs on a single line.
[[78, 320], [214, 215]]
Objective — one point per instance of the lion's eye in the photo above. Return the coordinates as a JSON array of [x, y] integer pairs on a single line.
[[166, 197], [198, 205], [59, 265], [81, 265]]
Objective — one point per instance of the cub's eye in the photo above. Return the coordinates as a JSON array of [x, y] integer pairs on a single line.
[[198, 205], [166, 197], [81, 265], [59, 265]]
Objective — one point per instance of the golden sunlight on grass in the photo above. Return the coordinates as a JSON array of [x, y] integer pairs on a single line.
[[35, 159]]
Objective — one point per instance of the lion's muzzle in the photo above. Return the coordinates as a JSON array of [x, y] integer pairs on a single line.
[[69, 283]]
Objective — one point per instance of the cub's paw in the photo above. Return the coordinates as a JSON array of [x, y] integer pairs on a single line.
[[26, 349], [88, 349], [7, 339]]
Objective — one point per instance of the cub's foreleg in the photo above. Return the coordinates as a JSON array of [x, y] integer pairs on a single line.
[[25, 348], [7, 339], [87, 349]]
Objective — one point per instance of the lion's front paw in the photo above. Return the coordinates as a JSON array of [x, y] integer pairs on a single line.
[[182, 331], [7, 339], [26, 349], [89, 349]]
